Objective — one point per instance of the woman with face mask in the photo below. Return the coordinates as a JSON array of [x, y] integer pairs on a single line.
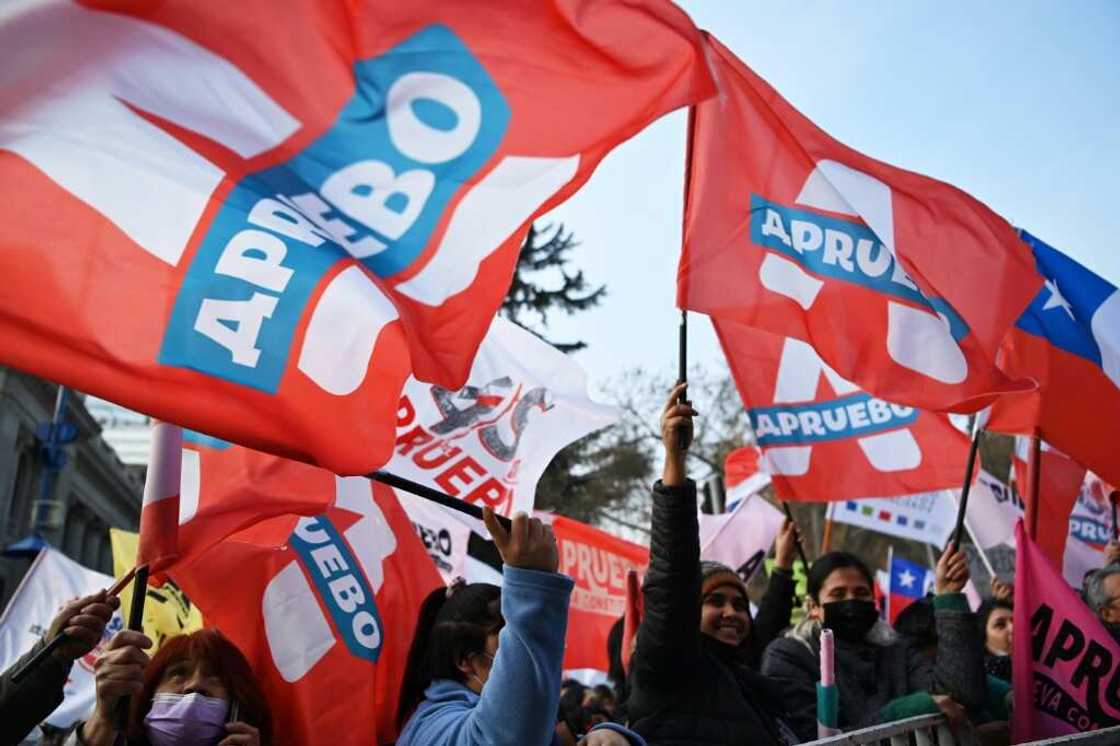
[[691, 682], [198, 689], [484, 666], [880, 677]]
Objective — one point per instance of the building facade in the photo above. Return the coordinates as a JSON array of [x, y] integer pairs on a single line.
[[90, 492]]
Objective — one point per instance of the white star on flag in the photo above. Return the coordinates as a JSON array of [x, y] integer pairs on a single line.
[[906, 579], [1056, 299]]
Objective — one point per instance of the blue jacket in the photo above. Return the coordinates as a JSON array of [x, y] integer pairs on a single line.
[[519, 702]]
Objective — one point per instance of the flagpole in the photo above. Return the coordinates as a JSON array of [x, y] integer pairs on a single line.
[[890, 578], [800, 546], [135, 623], [969, 469], [1034, 471], [1112, 496], [826, 535], [682, 367], [434, 495]]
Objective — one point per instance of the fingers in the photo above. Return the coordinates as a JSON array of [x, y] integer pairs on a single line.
[[675, 394], [129, 638], [494, 526], [240, 734]]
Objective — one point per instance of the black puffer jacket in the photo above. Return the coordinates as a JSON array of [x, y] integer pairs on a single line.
[[686, 688], [873, 676]]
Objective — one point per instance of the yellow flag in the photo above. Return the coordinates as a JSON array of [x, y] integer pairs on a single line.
[[167, 610]]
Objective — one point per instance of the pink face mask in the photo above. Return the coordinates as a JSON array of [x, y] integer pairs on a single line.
[[179, 719]]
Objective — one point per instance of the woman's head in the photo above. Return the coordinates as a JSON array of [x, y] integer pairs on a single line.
[[994, 618], [840, 595], [724, 607], [456, 638], [207, 664]]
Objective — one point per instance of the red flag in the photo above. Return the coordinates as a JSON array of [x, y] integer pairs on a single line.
[[160, 509], [1060, 482], [257, 224], [1068, 340], [1067, 666], [598, 563], [824, 439], [903, 284], [324, 608]]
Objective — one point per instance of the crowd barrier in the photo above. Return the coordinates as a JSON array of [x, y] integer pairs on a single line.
[[933, 730]]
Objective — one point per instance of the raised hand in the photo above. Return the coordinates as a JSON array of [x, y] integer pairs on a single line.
[[118, 673], [785, 546], [529, 544], [83, 622], [952, 572], [676, 435]]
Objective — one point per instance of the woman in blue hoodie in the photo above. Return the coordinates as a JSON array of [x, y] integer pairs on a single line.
[[484, 666]]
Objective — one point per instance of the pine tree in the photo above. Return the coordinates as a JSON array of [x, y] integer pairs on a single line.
[[544, 255]]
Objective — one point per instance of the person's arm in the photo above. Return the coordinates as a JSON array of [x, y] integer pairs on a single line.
[[776, 607], [794, 668], [958, 669], [519, 700], [25, 705], [668, 636]]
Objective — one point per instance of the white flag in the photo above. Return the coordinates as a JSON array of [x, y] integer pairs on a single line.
[[489, 442], [993, 510], [928, 516], [736, 538], [442, 532], [52, 581]]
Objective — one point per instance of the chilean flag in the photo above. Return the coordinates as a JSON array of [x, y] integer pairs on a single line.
[[909, 583], [1068, 340]]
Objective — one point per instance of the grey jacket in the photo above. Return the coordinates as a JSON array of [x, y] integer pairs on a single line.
[[873, 673], [23, 706]]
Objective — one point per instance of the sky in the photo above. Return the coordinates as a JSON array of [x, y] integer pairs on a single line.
[[1017, 103]]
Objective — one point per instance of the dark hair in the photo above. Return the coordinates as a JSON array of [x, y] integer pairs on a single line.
[[985, 611], [826, 564], [454, 622], [213, 649]]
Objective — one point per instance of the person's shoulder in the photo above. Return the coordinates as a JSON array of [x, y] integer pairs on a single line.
[[786, 651]]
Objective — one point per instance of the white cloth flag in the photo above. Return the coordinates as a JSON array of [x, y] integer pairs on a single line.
[[735, 538], [489, 442], [928, 516], [993, 509], [52, 581], [443, 534]]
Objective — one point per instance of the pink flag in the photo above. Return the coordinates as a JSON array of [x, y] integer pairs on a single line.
[[1067, 670]]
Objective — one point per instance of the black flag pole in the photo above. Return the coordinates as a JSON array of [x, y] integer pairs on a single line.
[[969, 470], [434, 495], [1112, 497], [800, 546], [682, 367], [135, 623]]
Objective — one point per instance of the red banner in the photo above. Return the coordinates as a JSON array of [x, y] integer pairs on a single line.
[[256, 224], [598, 563]]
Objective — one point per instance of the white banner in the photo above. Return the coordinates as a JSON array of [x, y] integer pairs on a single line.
[[52, 581], [489, 442], [1090, 528], [993, 509], [738, 537], [443, 534], [928, 516]]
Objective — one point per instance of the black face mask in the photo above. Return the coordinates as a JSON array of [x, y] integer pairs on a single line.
[[850, 620]]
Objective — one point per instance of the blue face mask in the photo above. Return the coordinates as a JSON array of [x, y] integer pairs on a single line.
[[179, 719]]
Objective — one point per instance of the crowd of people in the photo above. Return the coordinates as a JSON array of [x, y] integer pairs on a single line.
[[484, 666]]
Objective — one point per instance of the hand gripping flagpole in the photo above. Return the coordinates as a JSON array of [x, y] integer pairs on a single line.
[[135, 623], [969, 470], [800, 546]]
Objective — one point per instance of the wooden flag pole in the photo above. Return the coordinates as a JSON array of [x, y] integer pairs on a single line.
[[434, 495], [826, 535], [969, 470]]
